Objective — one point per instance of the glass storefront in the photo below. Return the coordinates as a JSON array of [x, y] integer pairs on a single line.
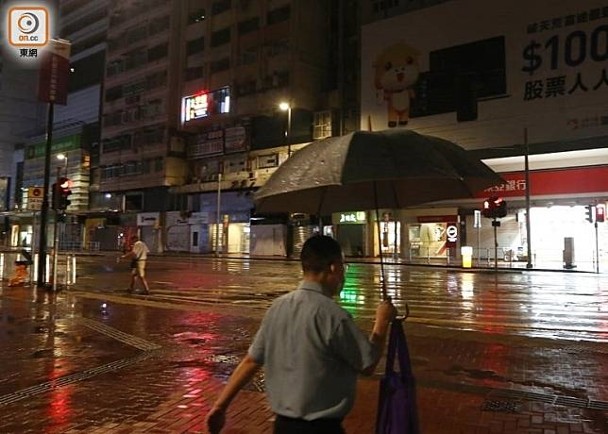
[[427, 240]]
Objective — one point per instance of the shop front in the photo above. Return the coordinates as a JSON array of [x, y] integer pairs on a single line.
[[352, 232], [432, 236], [232, 233]]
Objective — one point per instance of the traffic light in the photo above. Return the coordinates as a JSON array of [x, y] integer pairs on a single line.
[[600, 213], [494, 207], [589, 213], [63, 193]]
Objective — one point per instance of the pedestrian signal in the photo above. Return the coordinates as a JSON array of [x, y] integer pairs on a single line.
[[600, 213], [589, 213], [494, 207]]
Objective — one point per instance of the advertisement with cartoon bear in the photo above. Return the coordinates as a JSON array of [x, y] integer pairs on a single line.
[[482, 79]]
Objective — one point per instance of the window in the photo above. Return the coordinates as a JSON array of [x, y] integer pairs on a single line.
[[87, 71], [112, 119], [114, 93], [249, 25], [249, 56], [115, 67], [136, 35], [478, 67], [195, 46], [158, 52], [278, 15], [116, 143], [220, 37], [158, 25], [155, 80], [134, 88], [194, 73], [196, 16], [135, 59], [220, 65], [220, 6]]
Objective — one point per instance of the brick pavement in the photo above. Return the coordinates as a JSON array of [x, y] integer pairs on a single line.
[[468, 383]]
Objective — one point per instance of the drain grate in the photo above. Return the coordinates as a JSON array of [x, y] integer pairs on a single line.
[[501, 406], [257, 384]]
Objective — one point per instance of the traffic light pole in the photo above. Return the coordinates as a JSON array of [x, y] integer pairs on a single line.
[[495, 224], [528, 216], [597, 249], [44, 209], [56, 237]]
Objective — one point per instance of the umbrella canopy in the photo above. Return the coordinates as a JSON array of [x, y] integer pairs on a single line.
[[366, 170]]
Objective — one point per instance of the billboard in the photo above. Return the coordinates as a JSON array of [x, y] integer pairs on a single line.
[[204, 104], [479, 72]]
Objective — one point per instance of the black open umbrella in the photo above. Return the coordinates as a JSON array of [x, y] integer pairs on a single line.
[[366, 170]]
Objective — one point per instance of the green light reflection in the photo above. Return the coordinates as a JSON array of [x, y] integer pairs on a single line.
[[351, 297]]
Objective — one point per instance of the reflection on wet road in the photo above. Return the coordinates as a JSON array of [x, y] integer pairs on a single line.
[[548, 304]]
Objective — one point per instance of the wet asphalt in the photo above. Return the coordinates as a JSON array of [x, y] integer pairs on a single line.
[[93, 357]]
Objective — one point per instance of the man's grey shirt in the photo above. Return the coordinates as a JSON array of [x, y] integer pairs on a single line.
[[312, 352]]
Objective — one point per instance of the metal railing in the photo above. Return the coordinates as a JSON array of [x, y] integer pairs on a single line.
[[15, 270]]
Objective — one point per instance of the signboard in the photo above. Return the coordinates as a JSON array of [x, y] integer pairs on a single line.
[[54, 72], [34, 198], [148, 219], [352, 218], [235, 139], [538, 64], [593, 179], [208, 143], [203, 104], [451, 235]]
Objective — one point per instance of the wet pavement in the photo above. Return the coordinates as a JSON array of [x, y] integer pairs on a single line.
[[486, 350]]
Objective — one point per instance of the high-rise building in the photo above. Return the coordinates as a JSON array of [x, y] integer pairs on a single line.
[[75, 133], [191, 104]]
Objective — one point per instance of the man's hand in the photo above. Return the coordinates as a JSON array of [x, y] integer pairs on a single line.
[[215, 420], [385, 313]]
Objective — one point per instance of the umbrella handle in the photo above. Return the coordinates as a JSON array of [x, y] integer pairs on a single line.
[[404, 317]]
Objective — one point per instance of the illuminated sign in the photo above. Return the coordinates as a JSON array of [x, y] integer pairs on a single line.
[[451, 234], [205, 104], [352, 218]]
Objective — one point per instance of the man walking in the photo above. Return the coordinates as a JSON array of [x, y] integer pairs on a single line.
[[138, 254], [311, 350]]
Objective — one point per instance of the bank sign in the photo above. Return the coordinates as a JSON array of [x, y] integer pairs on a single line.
[[481, 78]]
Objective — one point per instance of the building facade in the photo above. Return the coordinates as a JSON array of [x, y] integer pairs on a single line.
[[530, 77]]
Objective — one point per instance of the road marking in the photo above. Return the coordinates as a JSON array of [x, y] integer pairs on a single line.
[[73, 378], [125, 338]]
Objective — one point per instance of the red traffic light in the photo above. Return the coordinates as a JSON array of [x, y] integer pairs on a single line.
[[600, 213], [65, 183], [494, 207]]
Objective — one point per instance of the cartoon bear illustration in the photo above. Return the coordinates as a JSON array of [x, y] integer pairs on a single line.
[[396, 73]]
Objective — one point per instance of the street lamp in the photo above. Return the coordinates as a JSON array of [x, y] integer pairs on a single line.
[[286, 107], [62, 157]]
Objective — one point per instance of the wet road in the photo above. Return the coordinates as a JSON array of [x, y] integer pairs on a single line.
[[485, 348], [543, 304]]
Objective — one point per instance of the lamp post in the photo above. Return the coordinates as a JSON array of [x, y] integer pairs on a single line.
[[63, 157], [286, 107]]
